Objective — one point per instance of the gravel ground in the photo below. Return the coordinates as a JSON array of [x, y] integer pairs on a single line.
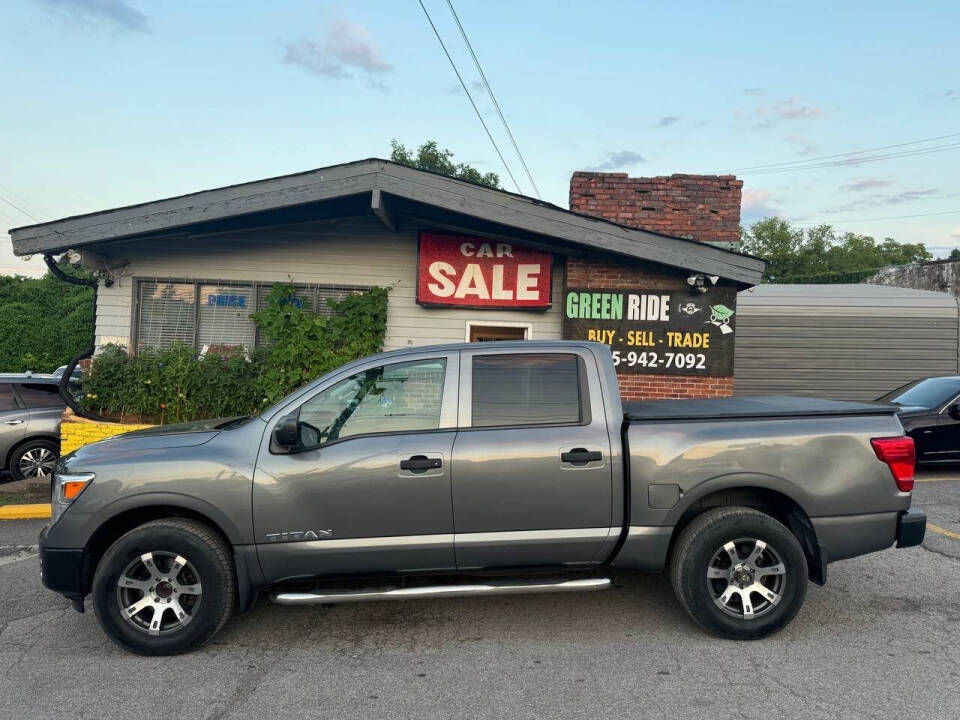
[[881, 640]]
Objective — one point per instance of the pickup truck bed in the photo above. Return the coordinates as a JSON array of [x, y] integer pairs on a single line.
[[770, 406]]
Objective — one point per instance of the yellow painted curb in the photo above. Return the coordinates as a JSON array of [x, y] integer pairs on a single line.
[[24, 512], [930, 526]]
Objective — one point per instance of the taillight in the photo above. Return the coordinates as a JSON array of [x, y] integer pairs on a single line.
[[900, 456]]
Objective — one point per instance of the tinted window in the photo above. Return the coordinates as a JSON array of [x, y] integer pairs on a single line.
[[525, 389], [36, 395], [7, 400], [392, 398], [930, 393]]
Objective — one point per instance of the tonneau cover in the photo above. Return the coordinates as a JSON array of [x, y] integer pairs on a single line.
[[750, 407]]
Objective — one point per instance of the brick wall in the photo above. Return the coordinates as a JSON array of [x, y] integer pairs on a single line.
[[700, 207], [75, 433], [603, 274]]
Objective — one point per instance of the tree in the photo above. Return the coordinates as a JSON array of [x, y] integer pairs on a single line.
[[820, 255], [954, 254], [430, 157], [44, 322]]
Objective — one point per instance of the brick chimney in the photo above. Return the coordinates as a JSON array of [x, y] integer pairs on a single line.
[[699, 207]]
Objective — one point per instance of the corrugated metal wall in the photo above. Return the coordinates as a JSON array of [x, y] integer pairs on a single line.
[[852, 342]]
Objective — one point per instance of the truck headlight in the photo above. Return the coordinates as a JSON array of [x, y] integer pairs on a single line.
[[65, 490]]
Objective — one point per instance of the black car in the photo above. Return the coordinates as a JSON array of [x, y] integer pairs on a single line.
[[931, 416]]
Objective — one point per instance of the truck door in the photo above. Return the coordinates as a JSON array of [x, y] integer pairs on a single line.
[[532, 478], [368, 491]]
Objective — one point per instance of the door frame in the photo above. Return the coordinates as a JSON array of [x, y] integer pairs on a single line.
[[470, 324]]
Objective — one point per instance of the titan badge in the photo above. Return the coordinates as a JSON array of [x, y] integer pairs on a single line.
[[299, 535]]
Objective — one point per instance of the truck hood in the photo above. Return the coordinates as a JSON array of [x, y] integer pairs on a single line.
[[160, 437]]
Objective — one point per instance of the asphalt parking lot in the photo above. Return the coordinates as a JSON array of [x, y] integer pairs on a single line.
[[881, 640]]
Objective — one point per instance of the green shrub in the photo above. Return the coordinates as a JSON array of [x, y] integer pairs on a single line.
[[176, 384]]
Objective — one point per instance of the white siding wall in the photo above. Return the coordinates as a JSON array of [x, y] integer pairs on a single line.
[[348, 252]]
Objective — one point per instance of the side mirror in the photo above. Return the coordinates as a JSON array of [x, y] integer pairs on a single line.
[[286, 435]]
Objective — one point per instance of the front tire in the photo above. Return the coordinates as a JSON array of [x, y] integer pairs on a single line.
[[739, 573], [165, 587]]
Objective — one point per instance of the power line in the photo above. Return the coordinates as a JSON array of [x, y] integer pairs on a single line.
[[469, 96], [855, 152], [493, 98], [892, 217], [20, 209], [856, 160]]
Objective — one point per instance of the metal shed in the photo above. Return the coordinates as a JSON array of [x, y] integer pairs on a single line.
[[849, 342]]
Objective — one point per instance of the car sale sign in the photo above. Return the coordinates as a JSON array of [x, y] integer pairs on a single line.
[[462, 271]]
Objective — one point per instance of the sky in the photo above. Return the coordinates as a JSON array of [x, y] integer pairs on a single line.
[[111, 102]]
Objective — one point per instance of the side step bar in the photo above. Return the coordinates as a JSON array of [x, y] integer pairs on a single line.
[[438, 591]]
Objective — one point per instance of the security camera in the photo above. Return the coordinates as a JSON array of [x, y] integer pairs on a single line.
[[696, 282]]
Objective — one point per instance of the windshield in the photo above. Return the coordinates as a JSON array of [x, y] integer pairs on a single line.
[[929, 393]]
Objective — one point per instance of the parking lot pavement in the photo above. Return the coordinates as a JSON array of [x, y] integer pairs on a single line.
[[881, 640]]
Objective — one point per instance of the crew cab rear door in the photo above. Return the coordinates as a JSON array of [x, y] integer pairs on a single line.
[[532, 482]]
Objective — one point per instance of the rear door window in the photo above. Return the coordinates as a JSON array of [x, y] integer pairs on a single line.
[[526, 389], [7, 399], [40, 395]]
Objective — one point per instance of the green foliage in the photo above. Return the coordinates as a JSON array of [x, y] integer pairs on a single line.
[[177, 385], [302, 345], [954, 254], [44, 322], [820, 255], [430, 157]]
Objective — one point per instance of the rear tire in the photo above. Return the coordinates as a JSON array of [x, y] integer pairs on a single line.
[[165, 588], [34, 460], [739, 573]]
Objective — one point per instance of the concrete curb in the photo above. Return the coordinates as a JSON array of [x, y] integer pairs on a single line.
[[25, 512]]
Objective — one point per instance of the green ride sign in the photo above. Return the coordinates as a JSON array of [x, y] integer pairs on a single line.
[[678, 332]]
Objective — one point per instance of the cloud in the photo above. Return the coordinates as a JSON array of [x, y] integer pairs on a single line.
[[756, 91], [344, 48], [956, 233], [882, 200], [618, 160], [948, 95], [756, 204], [767, 114], [861, 184], [118, 13], [804, 145], [667, 121]]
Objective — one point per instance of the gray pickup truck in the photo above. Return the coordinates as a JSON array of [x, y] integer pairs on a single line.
[[475, 469]]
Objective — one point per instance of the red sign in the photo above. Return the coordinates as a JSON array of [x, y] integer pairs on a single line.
[[477, 272]]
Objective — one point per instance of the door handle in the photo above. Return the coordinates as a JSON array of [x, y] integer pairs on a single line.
[[581, 456], [420, 463], [13, 422]]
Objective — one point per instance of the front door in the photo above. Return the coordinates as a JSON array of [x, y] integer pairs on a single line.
[[532, 478], [944, 445], [368, 491]]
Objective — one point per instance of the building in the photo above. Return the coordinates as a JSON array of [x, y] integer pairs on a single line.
[[640, 263], [846, 342]]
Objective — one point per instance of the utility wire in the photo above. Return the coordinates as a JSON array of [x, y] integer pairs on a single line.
[[855, 152], [874, 219], [855, 160], [20, 209], [469, 96], [493, 98]]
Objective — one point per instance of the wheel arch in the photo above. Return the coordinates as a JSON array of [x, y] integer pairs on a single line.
[[760, 492], [126, 519]]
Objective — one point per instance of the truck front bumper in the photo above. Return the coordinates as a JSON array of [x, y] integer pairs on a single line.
[[911, 528], [64, 570]]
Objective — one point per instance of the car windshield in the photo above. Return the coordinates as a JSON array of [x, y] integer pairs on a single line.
[[929, 393]]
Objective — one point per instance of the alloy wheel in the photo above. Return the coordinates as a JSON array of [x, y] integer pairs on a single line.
[[746, 578], [37, 462], [159, 592]]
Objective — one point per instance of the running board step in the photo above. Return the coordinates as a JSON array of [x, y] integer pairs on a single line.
[[438, 591]]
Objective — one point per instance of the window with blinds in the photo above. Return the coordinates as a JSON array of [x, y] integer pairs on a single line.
[[217, 316], [167, 314]]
